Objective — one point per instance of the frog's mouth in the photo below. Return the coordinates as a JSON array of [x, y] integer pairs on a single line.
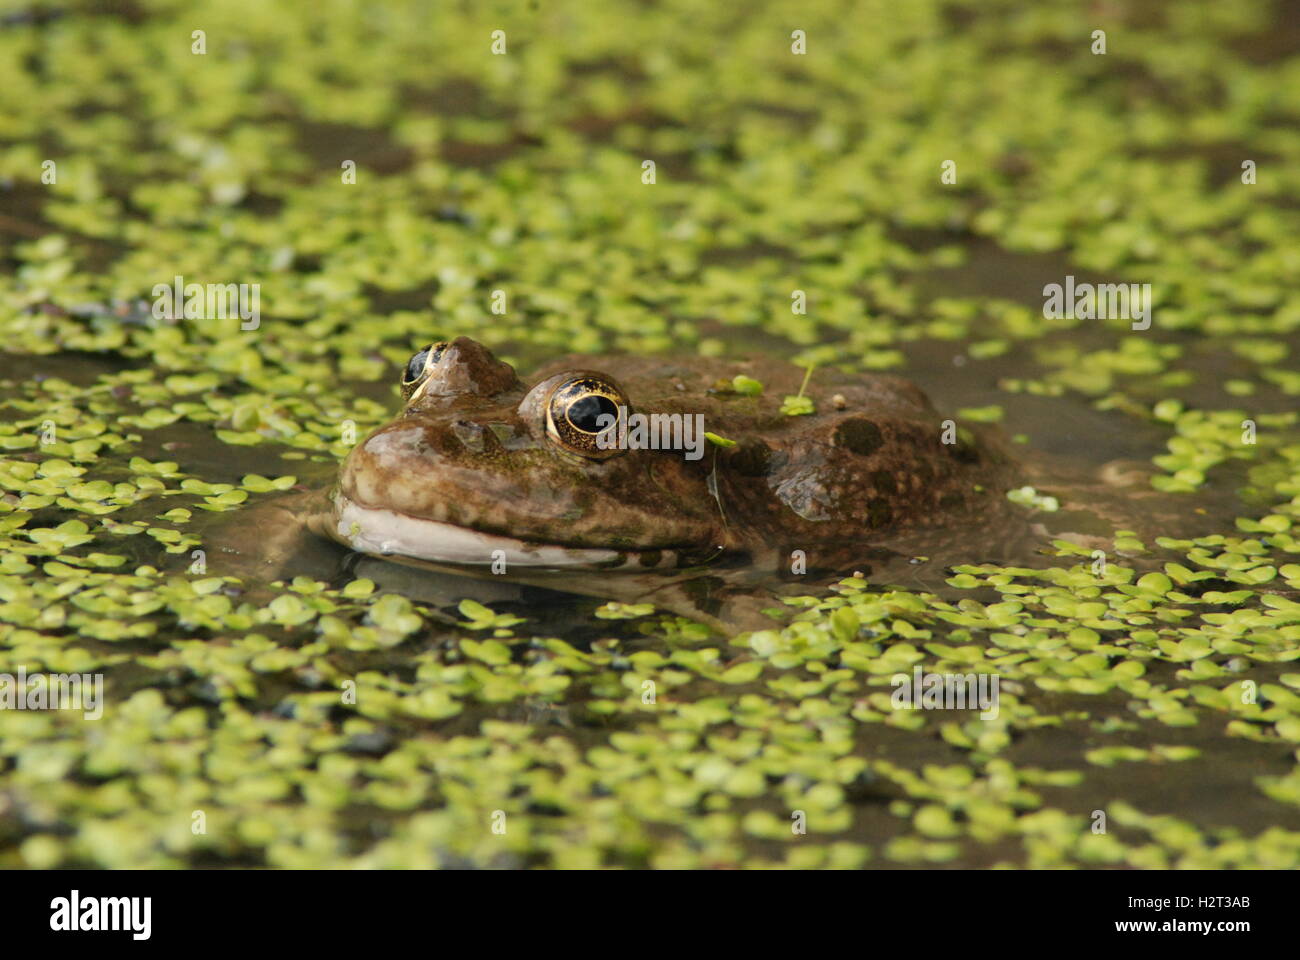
[[387, 533]]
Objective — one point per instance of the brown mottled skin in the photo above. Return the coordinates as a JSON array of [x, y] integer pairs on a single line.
[[471, 449]]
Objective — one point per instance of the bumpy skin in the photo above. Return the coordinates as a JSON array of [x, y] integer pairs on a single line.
[[471, 449]]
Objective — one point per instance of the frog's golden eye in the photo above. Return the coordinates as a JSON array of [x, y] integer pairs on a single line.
[[418, 367], [583, 414]]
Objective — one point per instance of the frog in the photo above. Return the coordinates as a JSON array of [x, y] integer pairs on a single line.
[[480, 467], [485, 474], [542, 480]]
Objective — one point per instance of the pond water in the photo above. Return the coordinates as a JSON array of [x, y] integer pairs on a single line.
[[321, 708]]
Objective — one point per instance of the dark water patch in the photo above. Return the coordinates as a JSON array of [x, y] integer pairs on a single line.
[[22, 218], [196, 449], [1213, 367], [453, 97], [1064, 425], [798, 118], [749, 253], [1279, 43], [484, 156], [601, 129], [21, 208], [625, 68], [746, 340], [371, 149], [77, 367], [34, 15], [1221, 159], [989, 270], [25, 228], [261, 204], [416, 298], [1214, 790]]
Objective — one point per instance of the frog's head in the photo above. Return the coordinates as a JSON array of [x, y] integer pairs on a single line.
[[480, 467]]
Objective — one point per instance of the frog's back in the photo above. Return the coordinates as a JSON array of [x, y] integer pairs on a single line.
[[874, 457]]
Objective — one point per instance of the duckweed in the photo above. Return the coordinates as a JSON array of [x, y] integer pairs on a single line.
[[307, 723]]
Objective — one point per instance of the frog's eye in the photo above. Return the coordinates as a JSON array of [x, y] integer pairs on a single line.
[[582, 416], [418, 367]]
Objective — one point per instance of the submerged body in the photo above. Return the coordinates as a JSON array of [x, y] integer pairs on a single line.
[[481, 468]]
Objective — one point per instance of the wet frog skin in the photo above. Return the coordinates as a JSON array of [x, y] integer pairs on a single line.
[[480, 466]]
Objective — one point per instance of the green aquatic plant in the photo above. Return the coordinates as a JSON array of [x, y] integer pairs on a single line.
[[312, 723]]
